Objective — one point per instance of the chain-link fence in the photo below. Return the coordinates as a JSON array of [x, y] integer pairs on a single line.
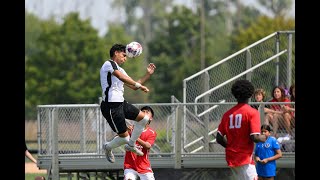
[[82, 129]]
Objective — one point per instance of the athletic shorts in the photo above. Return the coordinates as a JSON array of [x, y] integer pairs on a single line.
[[245, 172], [116, 114], [134, 175]]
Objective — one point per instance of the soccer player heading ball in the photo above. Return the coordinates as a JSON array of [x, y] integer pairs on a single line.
[[115, 109]]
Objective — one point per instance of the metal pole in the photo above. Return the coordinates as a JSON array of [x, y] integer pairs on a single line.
[[289, 62], [277, 59], [177, 164], [55, 148]]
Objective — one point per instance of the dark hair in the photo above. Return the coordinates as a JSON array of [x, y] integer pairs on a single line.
[[117, 47], [242, 90], [292, 97], [266, 127], [283, 92], [148, 108]]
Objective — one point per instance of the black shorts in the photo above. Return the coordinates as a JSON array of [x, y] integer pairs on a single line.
[[116, 114]]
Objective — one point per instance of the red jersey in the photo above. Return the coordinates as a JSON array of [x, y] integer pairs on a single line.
[[141, 164], [238, 123]]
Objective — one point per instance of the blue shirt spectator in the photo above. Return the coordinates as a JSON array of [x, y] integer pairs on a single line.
[[266, 154]]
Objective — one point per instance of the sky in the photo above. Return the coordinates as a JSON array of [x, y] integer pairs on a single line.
[[99, 11]]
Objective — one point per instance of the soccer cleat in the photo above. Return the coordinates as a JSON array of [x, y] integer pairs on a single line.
[[133, 149], [108, 152]]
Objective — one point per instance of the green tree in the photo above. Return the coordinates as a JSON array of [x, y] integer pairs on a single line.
[[175, 51], [277, 7], [65, 70], [261, 28]]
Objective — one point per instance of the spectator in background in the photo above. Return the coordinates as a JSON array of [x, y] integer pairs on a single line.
[[259, 96], [292, 92], [31, 158], [283, 116], [28, 154], [266, 154]]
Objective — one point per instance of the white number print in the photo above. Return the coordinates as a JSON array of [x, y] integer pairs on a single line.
[[235, 122]]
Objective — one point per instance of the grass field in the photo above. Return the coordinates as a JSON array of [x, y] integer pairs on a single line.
[[32, 176]]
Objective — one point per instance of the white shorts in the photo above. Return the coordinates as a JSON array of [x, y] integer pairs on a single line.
[[245, 172], [130, 174]]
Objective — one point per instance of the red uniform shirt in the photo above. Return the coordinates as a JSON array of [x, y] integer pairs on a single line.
[[141, 164], [238, 124]]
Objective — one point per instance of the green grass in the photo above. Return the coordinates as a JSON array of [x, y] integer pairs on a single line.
[[32, 176]]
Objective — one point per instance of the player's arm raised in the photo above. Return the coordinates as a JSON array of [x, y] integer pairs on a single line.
[[150, 70], [129, 81]]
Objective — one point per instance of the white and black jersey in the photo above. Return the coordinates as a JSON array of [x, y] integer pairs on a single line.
[[115, 109], [112, 87]]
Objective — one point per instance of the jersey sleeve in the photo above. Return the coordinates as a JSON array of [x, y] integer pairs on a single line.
[[221, 127], [151, 137], [255, 122]]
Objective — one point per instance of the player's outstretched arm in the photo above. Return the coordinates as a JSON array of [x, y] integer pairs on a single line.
[[128, 81], [150, 70]]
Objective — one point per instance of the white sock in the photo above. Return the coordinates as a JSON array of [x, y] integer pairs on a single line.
[[137, 130], [118, 141]]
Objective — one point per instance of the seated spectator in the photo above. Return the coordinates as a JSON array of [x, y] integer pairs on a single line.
[[259, 96], [28, 154], [284, 115], [292, 93]]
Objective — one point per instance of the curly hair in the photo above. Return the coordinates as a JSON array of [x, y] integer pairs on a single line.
[[242, 90]]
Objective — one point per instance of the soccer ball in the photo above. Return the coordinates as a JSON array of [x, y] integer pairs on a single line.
[[133, 49]]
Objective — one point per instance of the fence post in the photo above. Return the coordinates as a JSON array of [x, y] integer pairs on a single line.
[[248, 64], [261, 112], [277, 59], [55, 148], [178, 147], [206, 88]]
